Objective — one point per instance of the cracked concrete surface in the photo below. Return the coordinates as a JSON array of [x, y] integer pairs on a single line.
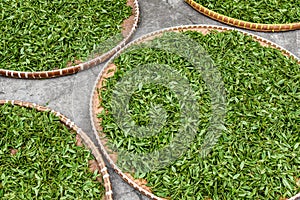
[[70, 95]]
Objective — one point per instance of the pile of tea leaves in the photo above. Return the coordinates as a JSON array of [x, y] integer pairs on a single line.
[[40, 160], [47, 35], [256, 157], [260, 11]]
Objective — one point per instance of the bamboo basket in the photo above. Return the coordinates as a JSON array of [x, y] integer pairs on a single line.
[[108, 71], [240, 23], [85, 139], [88, 64]]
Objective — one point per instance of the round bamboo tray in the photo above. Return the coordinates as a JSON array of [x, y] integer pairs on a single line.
[[128, 30], [108, 71], [83, 136], [243, 24]]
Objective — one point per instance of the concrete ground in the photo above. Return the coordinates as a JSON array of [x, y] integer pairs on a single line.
[[70, 95]]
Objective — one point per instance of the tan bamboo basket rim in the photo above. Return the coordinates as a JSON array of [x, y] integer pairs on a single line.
[[243, 24], [85, 138], [82, 66], [94, 101]]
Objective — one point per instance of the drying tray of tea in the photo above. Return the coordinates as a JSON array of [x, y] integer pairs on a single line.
[[44, 39], [258, 15], [246, 142], [46, 156]]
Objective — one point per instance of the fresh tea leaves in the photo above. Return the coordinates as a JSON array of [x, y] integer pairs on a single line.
[[47, 35], [257, 156], [40, 160]]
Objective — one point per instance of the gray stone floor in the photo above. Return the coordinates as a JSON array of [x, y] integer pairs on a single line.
[[70, 95]]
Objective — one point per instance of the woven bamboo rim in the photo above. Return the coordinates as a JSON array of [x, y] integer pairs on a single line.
[[241, 23], [108, 71], [82, 66], [85, 138]]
